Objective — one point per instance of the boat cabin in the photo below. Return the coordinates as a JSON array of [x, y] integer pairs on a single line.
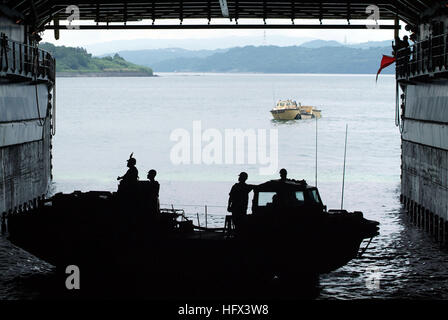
[[290, 196], [286, 104]]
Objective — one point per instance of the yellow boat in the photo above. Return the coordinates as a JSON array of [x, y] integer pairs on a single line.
[[289, 110]]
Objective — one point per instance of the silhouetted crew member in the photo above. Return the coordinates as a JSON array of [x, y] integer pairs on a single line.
[[239, 198], [154, 188], [400, 44], [131, 176], [406, 45], [283, 174], [275, 201]]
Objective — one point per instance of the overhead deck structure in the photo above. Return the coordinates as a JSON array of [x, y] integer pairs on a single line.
[[40, 13]]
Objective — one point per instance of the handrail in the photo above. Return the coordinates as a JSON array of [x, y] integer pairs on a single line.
[[196, 213], [424, 57], [25, 61]]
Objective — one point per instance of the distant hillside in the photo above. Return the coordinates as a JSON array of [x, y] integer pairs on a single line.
[[332, 43], [273, 59], [258, 38], [317, 56], [77, 61], [150, 57], [320, 44], [372, 44]]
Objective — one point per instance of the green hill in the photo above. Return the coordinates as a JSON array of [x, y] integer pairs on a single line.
[[79, 61], [273, 59]]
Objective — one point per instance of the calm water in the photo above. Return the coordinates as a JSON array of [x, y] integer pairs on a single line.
[[100, 121]]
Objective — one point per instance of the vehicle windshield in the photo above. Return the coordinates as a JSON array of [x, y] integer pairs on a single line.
[[288, 199], [265, 198], [315, 196]]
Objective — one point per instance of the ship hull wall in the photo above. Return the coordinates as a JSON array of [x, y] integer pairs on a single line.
[[424, 181], [25, 143]]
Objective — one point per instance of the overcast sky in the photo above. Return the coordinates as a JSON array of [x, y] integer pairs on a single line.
[[85, 38]]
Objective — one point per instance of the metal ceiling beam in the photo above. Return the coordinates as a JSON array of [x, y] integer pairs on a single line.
[[136, 10], [225, 26]]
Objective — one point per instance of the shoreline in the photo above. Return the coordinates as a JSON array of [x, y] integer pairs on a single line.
[[65, 74]]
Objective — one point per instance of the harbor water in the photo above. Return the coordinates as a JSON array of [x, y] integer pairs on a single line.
[[101, 121]]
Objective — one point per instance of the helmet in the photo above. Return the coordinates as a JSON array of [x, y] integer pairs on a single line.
[[131, 160]]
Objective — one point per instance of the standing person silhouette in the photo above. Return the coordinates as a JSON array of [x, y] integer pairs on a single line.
[[131, 176], [238, 199], [128, 201], [154, 188]]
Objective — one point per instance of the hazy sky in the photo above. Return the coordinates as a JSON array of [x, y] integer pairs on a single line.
[[88, 37]]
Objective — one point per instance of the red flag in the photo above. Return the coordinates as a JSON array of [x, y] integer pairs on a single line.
[[385, 62]]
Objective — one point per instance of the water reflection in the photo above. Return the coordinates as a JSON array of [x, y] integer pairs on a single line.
[[410, 265]]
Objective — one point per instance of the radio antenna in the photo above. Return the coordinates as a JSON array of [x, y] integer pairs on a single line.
[[343, 174]]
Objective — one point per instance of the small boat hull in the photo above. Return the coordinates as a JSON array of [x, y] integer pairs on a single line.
[[118, 235], [286, 114], [295, 113]]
